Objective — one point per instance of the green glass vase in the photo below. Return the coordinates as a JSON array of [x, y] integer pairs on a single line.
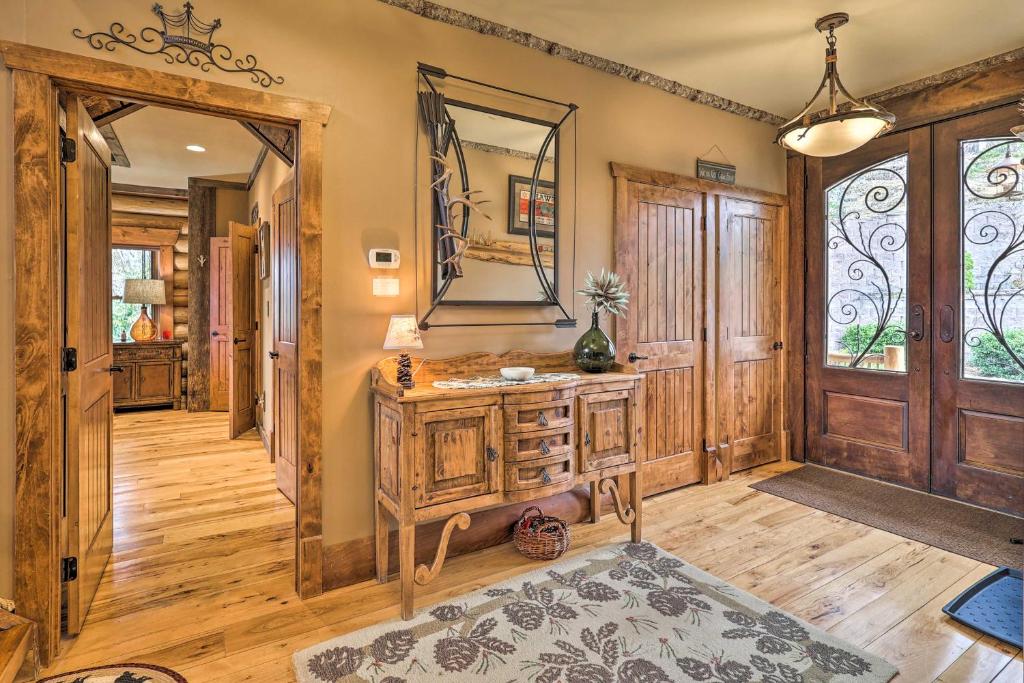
[[594, 351]]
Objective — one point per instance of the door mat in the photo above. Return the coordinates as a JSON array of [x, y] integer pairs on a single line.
[[992, 606], [118, 673], [963, 529], [627, 612]]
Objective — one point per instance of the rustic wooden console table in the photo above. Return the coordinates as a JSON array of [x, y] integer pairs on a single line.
[[447, 453]]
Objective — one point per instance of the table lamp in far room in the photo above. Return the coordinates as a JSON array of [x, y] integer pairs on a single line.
[[403, 333], [145, 292]]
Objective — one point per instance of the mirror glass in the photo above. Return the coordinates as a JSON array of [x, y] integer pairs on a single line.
[[499, 151]]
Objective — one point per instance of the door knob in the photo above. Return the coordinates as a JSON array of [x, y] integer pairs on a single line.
[[776, 346], [273, 354], [947, 323], [634, 357]]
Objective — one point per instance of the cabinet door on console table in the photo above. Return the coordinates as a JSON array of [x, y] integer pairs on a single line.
[[607, 428], [457, 454]]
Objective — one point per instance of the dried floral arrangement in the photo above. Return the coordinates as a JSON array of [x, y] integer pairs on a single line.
[[605, 292]]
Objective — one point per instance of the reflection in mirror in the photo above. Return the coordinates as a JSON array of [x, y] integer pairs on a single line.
[[499, 151]]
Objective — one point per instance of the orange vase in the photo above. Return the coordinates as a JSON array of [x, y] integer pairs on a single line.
[[144, 329]]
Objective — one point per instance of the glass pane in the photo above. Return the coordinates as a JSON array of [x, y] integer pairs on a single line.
[[992, 220], [127, 264], [866, 258]]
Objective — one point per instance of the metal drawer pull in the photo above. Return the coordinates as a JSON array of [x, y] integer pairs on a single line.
[[586, 439], [542, 420], [544, 447], [634, 357], [492, 454], [545, 477], [115, 368]]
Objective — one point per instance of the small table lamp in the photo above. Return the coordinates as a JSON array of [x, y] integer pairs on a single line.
[[144, 292], [403, 333]]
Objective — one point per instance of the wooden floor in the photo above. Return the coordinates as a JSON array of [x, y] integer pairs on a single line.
[[201, 578]]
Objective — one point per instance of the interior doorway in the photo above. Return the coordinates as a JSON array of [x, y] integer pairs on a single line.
[[141, 470], [37, 75], [915, 310]]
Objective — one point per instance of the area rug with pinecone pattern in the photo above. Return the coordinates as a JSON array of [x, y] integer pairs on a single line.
[[118, 673], [629, 612]]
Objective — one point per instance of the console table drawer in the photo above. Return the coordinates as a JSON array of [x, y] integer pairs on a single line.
[[555, 469], [530, 417], [538, 444]]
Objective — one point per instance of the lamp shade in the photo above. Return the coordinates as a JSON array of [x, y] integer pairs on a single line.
[[829, 138], [403, 333], [145, 292]]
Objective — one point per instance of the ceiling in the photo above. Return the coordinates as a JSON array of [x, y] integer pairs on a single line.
[[767, 54], [154, 141]]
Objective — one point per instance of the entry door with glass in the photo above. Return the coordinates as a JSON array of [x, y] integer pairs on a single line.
[[978, 336], [868, 298]]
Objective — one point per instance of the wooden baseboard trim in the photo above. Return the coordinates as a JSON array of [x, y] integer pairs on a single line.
[[353, 561], [267, 441]]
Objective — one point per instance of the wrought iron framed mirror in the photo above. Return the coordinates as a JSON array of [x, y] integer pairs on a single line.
[[499, 233]]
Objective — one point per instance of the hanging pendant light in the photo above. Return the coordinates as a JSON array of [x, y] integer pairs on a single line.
[[836, 130]]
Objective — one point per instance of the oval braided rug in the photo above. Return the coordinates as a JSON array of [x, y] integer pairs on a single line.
[[118, 673]]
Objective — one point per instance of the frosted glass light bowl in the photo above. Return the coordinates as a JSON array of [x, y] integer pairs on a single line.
[[517, 374]]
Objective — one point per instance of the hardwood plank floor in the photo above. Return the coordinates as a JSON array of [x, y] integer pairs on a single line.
[[201, 577]]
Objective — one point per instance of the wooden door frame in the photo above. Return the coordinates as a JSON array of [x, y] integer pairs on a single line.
[[714, 464], [37, 76]]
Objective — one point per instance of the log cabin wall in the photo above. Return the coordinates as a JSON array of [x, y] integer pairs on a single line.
[[157, 218]]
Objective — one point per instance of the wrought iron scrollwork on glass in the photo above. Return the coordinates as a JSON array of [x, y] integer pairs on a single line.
[[182, 39], [992, 215], [866, 262]]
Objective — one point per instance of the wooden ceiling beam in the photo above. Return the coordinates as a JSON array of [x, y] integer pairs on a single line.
[[117, 113], [156, 206], [278, 140], [149, 191], [127, 236]]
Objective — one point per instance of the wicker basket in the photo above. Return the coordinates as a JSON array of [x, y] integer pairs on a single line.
[[539, 536]]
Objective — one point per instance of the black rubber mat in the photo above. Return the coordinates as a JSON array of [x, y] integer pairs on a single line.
[[992, 606]]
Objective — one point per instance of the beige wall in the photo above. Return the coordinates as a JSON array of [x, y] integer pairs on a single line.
[[232, 205], [271, 175], [360, 56]]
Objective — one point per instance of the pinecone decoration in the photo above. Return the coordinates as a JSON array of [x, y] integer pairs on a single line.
[[606, 292], [404, 373], [393, 647]]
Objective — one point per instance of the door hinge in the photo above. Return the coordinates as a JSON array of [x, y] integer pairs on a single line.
[[703, 445], [256, 325], [704, 334], [704, 223], [255, 248], [806, 348], [68, 359], [68, 569], [68, 149]]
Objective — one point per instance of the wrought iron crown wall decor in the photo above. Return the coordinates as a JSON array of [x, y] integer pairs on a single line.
[[182, 39]]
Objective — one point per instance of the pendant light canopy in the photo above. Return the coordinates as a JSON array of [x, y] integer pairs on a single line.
[[836, 130]]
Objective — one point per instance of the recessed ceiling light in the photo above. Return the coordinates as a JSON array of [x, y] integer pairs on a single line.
[[195, 148]]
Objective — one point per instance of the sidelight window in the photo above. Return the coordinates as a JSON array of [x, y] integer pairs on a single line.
[[992, 261], [866, 258], [127, 264]]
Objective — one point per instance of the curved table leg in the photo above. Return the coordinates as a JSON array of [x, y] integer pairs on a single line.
[[424, 574], [625, 513]]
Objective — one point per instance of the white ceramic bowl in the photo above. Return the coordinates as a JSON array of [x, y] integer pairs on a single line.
[[517, 374]]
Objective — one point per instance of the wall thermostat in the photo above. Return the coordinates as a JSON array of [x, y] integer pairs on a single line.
[[384, 258]]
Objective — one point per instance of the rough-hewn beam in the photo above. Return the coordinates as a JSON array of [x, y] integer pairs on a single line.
[[149, 191], [202, 215], [453, 17], [119, 112], [280, 140], [153, 206]]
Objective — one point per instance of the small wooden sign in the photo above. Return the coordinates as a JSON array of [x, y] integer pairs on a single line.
[[720, 173]]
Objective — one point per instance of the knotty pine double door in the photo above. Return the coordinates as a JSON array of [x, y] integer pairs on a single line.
[[703, 262], [915, 310]]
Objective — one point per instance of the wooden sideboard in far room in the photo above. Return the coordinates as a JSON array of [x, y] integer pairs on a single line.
[[147, 374], [449, 453]]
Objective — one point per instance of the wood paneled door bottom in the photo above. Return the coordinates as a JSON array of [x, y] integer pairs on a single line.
[[192, 592]]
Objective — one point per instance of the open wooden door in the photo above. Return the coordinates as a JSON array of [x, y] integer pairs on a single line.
[[286, 336], [242, 394], [220, 323], [89, 402], [658, 253]]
